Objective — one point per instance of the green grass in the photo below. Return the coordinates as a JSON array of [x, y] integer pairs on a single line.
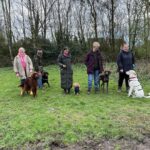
[[53, 116]]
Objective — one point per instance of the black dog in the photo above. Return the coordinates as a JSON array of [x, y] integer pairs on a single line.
[[105, 79], [76, 88], [45, 78]]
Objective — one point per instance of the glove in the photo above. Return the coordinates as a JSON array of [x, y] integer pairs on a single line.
[[64, 66], [121, 70]]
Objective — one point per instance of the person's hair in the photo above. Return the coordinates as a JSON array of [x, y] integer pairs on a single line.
[[124, 44], [65, 48], [22, 49], [96, 44], [39, 49]]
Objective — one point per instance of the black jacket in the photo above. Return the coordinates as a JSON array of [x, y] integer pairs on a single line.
[[125, 61]]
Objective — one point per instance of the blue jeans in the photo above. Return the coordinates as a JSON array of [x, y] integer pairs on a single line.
[[40, 82], [96, 80]]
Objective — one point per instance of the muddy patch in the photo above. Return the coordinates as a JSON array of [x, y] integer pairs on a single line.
[[121, 144], [103, 144]]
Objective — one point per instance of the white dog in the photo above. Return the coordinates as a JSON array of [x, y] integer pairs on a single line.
[[135, 90]]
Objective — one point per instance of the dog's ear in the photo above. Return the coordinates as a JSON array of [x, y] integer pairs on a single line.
[[134, 73], [34, 75], [46, 73], [128, 72]]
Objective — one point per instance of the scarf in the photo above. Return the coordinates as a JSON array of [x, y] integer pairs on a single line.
[[22, 55], [66, 54]]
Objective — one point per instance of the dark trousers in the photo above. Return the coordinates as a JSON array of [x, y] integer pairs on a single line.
[[122, 76]]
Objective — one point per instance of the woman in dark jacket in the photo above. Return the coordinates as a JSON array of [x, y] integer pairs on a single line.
[[125, 62], [66, 72], [93, 62]]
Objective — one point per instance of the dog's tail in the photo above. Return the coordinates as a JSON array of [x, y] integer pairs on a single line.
[[20, 85], [147, 96]]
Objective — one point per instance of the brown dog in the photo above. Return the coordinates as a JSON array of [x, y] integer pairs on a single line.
[[105, 79], [30, 85]]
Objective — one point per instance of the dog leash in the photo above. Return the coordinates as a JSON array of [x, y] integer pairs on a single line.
[[25, 73]]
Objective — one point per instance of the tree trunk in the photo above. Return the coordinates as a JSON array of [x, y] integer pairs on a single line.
[[7, 19], [112, 25]]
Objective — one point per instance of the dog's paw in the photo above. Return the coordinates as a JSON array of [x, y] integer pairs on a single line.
[[31, 93], [21, 93]]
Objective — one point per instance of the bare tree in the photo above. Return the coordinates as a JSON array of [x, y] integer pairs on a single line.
[[111, 7], [6, 7], [146, 25], [92, 4], [134, 11], [47, 7]]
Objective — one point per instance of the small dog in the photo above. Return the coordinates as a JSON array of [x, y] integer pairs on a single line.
[[76, 88], [105, 79], [45, 78], [135, 90], [30, 85]]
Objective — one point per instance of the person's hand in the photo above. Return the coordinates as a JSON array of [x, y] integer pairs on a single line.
[[103, 72], [64, 66], [30, 72], [134, 66], [121, 70], [17, 74], [39, 73]]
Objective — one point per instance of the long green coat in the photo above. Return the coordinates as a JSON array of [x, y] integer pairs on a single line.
[[65, 73]]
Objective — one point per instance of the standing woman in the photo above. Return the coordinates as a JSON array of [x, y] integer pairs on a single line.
[[23, 66], [125, 62], [66, 72], [94, 64]]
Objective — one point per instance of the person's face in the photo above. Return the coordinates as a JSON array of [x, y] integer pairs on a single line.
[[22, 52], [66, 51], [95, 49], [40, 53], [125, 47]]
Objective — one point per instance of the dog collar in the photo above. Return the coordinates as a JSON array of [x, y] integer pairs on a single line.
[[132, 78]]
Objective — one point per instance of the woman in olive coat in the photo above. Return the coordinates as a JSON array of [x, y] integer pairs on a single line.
[[66, 72]]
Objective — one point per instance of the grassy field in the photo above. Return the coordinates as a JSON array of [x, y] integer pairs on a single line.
[[53, 116]]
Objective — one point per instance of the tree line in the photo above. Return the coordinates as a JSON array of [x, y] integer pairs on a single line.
[[53, 24]]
